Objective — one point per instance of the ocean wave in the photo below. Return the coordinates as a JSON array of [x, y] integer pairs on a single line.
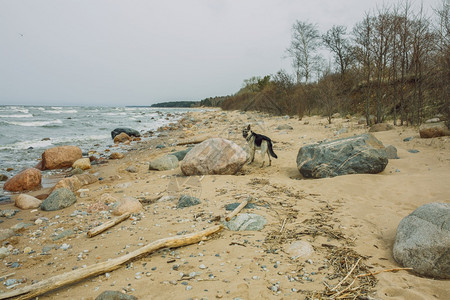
[[36, 123], [23, 145], [15, 109], [27, 144], [115, 114], [17, 116], [70, 111]]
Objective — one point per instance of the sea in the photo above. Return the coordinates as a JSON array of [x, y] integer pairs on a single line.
[[26, 131]]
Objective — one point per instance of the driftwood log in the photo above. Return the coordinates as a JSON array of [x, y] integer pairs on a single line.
[[58, 281], [106, 225], [236, 210]]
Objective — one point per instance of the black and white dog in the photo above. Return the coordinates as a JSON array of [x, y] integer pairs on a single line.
[[258, 142]]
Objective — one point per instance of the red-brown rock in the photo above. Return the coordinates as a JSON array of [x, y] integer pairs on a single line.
[[381, 127], [431, 130], [60, 157], [28, 179], [122, 138], [127, 204]]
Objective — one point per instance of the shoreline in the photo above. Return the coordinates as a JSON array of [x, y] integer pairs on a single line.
[[357, 212]]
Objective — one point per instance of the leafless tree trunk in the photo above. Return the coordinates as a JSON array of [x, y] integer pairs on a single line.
[[304, 45]]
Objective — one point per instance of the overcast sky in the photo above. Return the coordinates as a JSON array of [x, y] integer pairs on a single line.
[[139, 52]]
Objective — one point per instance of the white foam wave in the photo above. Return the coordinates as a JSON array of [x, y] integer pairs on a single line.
[[116, 114], [26, 145], [17, 116], [36, 123], [70, 111], [15, 109]]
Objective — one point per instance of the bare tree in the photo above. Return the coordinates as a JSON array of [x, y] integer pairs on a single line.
[[303, 49], [363, 38], [339, 44], [422, 43], [405, 42], [442, 64]]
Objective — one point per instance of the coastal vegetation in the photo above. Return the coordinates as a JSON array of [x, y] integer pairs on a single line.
[[172, 104], [392, 65]]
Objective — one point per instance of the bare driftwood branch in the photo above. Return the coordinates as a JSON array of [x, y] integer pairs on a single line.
[[58, 281], [364, 275], [236, 210], [110, 223]]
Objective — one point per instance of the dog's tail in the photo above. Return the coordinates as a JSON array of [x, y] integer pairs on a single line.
[[271, 150]]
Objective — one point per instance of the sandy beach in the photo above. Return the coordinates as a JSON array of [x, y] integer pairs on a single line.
[[345, 217]]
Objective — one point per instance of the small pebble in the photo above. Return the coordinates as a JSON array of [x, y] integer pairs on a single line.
[[65, 246], [10, 282]]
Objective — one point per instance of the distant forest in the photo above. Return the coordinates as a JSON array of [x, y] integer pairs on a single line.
[[392, 65], [176, 104]]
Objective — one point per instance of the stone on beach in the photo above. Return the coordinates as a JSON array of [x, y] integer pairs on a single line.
[[391, 152], [284, 127], [168, 162], [4, 252], [60, 198], [60, 157], [187, 201], [75, 182], [116, 155], [127, 204], [431, 130], [28, 179], [122, 138], [422, 241], [6, 234], [114, 295], [244, 222], [128, 131], [299, 249], [353, 155], [24, 201], [214, 156], [180, 155], [381, 127], [82, 163]]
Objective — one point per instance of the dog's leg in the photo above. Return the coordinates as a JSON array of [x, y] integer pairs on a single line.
[[252, 155], [263, 152]]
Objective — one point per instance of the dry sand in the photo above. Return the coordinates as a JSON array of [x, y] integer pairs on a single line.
[[357, 212]]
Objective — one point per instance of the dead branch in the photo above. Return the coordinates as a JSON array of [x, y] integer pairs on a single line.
[[236, 210], [58, 281], [109, 224], [364, 275], [345, 278]]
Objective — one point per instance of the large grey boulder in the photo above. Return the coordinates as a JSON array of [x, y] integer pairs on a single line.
[[168, 162], [129, 131], [352, 155], [60, 198], [423, 241], [214, 156]]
